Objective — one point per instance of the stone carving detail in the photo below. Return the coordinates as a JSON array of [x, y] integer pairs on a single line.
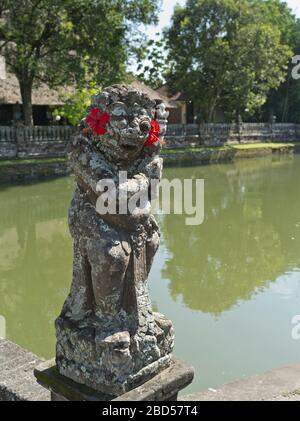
[[108, 337]]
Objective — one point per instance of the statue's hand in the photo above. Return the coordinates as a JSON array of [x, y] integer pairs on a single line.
[[139, 183]]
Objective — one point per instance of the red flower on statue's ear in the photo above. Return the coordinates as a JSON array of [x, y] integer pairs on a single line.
[[97, 120], [154, 133]]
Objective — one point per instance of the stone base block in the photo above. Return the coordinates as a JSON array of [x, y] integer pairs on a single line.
[[109, 358], [117, 388], [162, 387]]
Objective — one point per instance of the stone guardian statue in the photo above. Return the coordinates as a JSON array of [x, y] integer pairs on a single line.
[[108, 337]]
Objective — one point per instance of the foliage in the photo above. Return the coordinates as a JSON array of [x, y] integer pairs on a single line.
[[227, 54], [70, 41], [76, 104], [284, 102], [152, 64]]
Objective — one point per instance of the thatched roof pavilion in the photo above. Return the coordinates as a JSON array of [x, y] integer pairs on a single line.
[[41, 95]]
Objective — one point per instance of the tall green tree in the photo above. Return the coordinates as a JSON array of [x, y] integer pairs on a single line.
[[69, 41], [152, 63], [284, 102], [226, 53]]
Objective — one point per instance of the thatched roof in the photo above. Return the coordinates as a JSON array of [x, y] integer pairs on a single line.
[[154, 95], [41, 95], [164, 91]]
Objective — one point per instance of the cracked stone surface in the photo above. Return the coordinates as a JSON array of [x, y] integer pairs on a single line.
[[108, 337]]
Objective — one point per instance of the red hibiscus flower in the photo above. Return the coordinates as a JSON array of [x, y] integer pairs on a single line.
[[97, 120], [154, 133]]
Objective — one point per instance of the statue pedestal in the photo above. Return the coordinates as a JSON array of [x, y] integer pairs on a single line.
[[162, 387], [107, 358]]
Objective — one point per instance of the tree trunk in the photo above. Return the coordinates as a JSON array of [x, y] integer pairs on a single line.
[[237, 117], [212, 111], [238, 121], [26, 94]]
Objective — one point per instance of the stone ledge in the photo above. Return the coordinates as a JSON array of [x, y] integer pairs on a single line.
[[162, 387], [48, 376], [273, 385], [17, 382]]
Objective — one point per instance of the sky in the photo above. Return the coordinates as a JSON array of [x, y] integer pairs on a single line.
[[168, 6]]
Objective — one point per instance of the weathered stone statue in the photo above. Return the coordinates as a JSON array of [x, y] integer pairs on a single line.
[[108, 337]]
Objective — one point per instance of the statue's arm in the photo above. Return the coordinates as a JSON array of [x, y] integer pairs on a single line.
[[89, 168], [87, 165], [149, 169], [152, 168]]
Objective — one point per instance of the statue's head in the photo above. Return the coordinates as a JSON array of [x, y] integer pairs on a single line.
[[125, 123]]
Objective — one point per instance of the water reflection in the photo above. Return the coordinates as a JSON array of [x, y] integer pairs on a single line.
[[35, 256], [250, 235], [231, 285]]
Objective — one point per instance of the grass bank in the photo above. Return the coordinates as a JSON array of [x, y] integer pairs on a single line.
[[245, 147], [225, 153]]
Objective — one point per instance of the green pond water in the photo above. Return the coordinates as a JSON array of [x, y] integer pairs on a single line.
[[231, 285]]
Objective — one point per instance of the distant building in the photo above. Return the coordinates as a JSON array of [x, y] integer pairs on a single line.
[[175, 116], [183, 109], [44, 101]]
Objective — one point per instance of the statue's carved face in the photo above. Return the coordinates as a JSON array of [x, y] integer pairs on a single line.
[[130, 115], [130, 126]]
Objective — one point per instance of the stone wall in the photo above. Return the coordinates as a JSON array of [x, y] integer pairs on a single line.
[[48, 142], [33, 170], [52, 141], [179, 135], [34, 142]]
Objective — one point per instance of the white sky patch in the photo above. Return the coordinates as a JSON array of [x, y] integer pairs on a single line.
[[164, 17], [295, 6]]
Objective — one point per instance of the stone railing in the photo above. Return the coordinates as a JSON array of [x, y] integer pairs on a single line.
[[37, 141], [36, 133], [51, 141], [179, 135]]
